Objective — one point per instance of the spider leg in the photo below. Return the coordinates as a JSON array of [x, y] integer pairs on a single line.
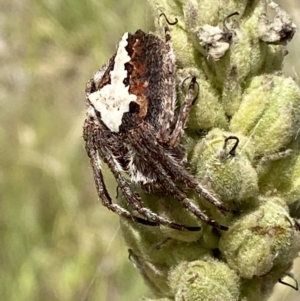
[[189, 100], [169, 88], [178, 172], [132, 198], [100, 184], [167, 182]]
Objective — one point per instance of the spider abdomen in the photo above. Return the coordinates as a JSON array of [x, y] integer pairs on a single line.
[[123, 94]]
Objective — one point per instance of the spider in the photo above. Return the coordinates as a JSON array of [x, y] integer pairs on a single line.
[[131, 124]]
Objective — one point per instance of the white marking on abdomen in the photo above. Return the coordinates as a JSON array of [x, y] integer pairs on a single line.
[[113, 100]]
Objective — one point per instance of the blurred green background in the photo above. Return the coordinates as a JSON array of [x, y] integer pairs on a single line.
[[57, 241]]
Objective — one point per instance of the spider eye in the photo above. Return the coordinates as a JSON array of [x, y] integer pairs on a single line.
[[134, 107]]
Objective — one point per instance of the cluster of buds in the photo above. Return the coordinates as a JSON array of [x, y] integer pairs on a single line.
[[242, 142]]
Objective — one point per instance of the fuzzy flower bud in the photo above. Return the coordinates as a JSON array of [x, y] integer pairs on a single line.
[[154, 253], [261, 240], [280, 174], [241, 143], [206, 280], [229, 171], [269, 113]]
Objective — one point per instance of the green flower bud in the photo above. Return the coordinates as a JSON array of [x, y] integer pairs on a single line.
[[280, 175], [213, 36], [154, 275], [153, 245], [275, 55], [183, 47], [169, 7], [246, 57], [174, 210], [262, 286], [231, 176], [154, 252], [269, 113], [206, 280], [170, 208], [197, 13], [261, 240], [260, 177]]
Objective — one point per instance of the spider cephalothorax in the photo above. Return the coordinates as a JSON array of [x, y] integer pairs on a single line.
[[131, 125]]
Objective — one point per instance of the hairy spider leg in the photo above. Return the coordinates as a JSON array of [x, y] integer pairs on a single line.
[[99, 181], [167, 182], [102, 192], [189, 100], [133, 198], [178, 171], [169, 86]]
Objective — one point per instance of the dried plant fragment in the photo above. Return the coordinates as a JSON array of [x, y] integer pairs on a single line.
[[278, 32]]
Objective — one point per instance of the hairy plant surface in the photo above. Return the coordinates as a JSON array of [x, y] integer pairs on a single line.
[[242, 142]]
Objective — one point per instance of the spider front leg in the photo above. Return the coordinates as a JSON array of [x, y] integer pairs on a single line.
[[177, 171], [102, 192], [169, 83], [182, 118], [92, 152], [132, 198], [170, 186], [166, 177]]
